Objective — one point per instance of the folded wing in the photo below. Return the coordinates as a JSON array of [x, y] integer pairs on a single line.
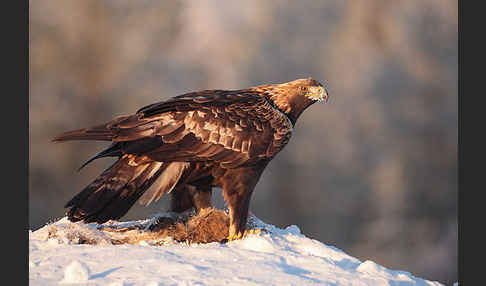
[[228, 127]]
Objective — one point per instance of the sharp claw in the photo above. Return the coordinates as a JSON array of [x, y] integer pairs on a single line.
[[240, 235], [235, 236], [254, 231]]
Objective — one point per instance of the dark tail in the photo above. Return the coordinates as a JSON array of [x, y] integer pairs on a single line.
[[114, 192]]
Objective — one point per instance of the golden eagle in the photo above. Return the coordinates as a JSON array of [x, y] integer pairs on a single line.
[[189, 144]]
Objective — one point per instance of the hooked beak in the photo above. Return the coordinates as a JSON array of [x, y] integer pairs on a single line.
[[319, 93], [324, 94]]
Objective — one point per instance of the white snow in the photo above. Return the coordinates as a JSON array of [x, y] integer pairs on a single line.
[[76, 272], [276, 257]]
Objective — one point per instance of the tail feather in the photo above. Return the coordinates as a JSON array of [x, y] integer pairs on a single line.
[[116, 209], [114, 192]]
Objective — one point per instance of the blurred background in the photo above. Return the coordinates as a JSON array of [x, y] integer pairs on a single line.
[[373, 172]]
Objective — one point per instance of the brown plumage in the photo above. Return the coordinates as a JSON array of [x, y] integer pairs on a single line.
[[190, 143]]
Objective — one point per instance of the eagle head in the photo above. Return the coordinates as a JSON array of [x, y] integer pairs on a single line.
[[304, 90], [295, 96], [313, 90]]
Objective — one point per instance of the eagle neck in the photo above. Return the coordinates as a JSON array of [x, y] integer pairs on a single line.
[[292, 107], [282, 109], [298, 105]]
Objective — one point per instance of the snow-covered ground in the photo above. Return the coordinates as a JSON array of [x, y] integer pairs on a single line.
[[276, 257]]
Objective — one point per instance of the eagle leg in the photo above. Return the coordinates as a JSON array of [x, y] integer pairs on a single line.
[[238, 185], [189, 196], [238, 218], [201, 196]]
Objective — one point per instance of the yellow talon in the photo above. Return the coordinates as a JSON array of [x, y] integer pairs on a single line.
[[254, 231], [234, 236], [240, 235]]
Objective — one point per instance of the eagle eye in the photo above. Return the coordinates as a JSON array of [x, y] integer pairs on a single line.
[[303, 88]]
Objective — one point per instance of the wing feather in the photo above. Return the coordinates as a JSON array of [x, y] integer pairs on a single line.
[[230, 127]]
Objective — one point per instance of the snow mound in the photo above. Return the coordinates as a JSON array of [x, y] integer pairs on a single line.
[[273, 257], [76, 272]]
